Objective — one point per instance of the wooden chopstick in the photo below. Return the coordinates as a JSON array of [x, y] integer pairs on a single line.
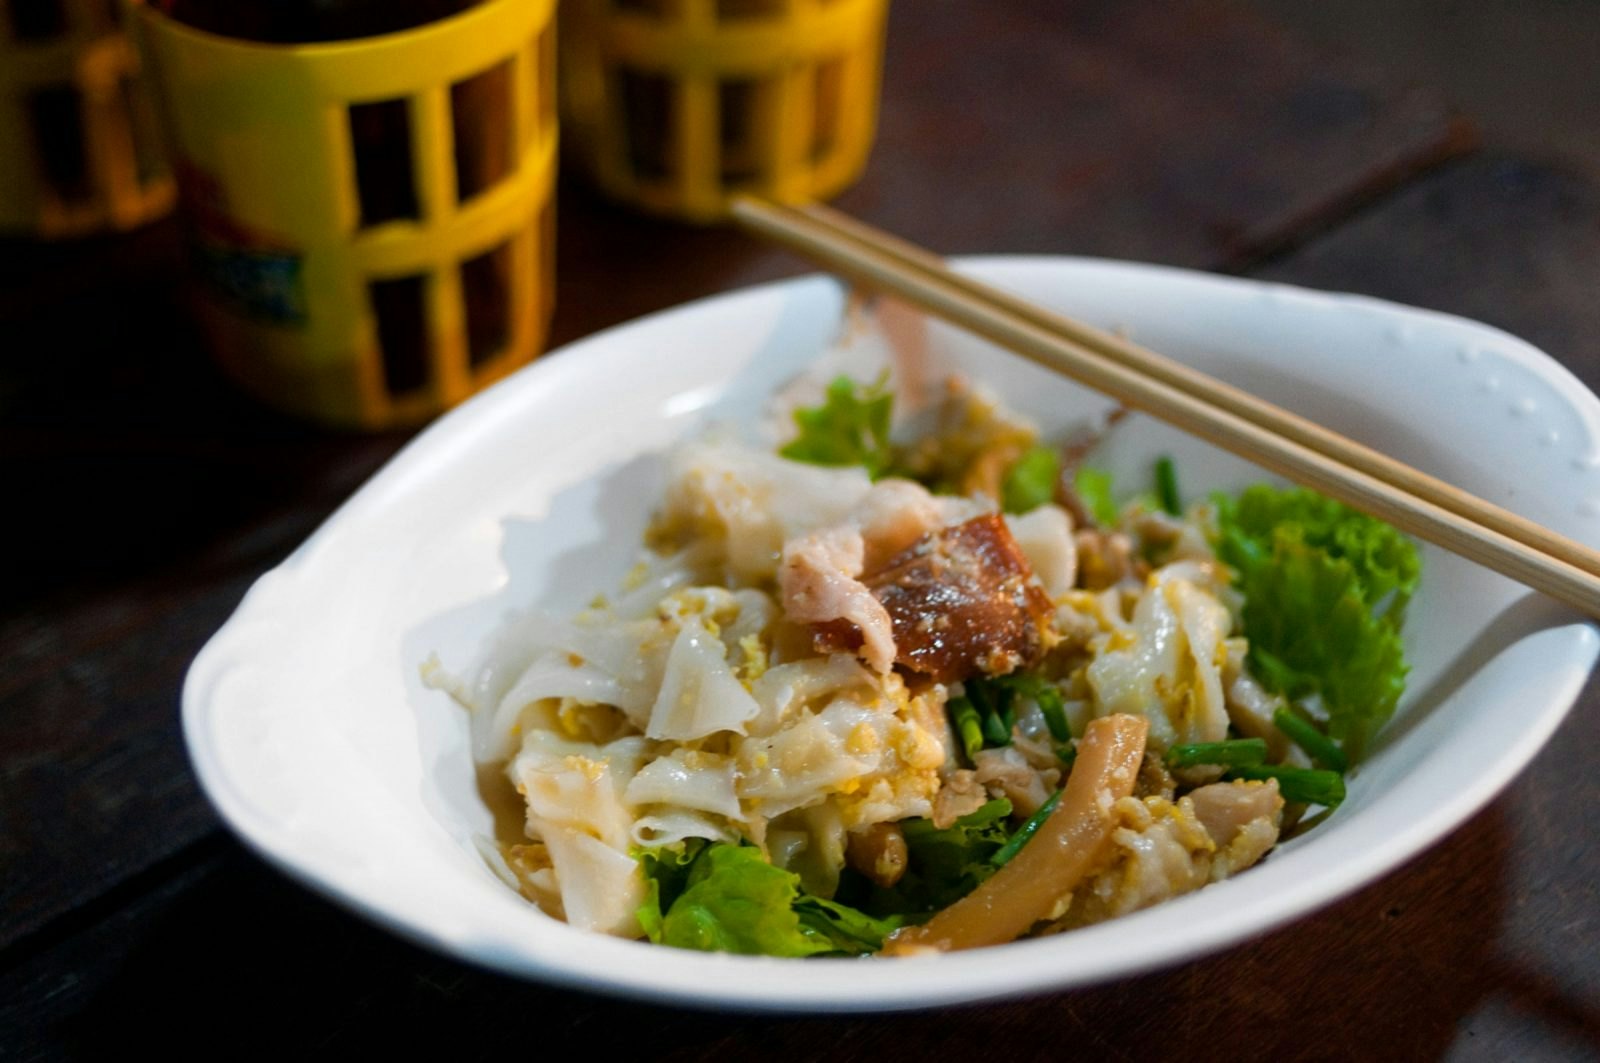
[[1225, 396], [1251, 428]]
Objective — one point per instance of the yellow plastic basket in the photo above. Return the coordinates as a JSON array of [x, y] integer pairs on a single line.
[[79, 152], [677, 105], [372, 220]]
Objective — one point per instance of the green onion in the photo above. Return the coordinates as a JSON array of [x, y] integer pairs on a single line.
[[1234, 753], [994, 705], [995, 730], [1305, 735], [1067, 753], [1045, 694], [1301, 785], [965, 718], [1029, 828], [1055, 712], [1167, 486], [994, 710]]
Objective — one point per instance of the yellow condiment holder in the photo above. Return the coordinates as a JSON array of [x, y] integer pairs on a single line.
[[677, 106], [79, 153], [371, 221]]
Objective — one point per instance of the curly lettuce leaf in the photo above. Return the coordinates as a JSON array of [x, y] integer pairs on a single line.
[[851, 427], [1326, 589], [719, 897], [1384, 565]]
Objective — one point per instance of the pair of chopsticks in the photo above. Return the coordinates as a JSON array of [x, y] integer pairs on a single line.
[[1293, 447]]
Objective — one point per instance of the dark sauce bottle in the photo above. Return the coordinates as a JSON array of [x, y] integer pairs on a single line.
[[380, 134], [307, 21], [381, 142]]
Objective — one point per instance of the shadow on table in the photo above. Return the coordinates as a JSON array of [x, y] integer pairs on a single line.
[[245, 959], [614, 264], [131, 452]]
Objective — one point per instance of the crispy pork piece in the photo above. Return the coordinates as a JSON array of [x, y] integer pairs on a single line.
[[962, 601]]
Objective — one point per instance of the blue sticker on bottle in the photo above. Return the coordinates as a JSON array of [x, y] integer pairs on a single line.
[[265, 284]]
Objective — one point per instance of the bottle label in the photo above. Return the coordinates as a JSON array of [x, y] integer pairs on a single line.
[[257, 275]]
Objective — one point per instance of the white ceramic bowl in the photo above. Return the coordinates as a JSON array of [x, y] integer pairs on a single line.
[[313, 735]]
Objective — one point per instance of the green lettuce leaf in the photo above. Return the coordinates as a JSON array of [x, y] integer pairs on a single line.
[[1384, 564], [1326, 590], [851, 427], [850, 931], [666, 875], [719, 897], [1094, 491], [1031, 480]]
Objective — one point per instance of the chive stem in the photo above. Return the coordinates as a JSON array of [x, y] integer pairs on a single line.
[[993, 702], [1305, 734], [965, 717], [1029, 828], [1233, 753], [1167, 486], [1055, 717], [995, 731], [1308, 786]]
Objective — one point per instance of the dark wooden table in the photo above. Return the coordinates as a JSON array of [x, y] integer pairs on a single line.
[[147, 495]]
